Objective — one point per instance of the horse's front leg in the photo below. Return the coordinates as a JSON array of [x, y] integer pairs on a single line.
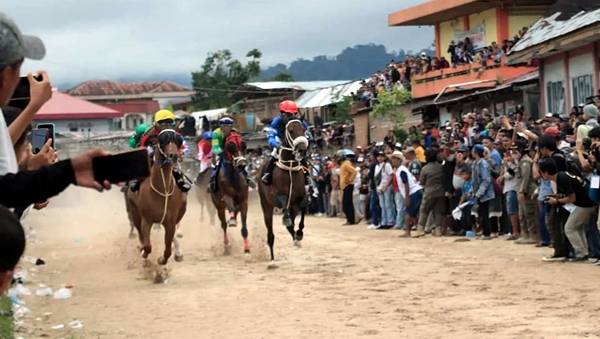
[[282, 201], [244, 213], [300, 231], [230, 205], [290, 228], [169, 237]]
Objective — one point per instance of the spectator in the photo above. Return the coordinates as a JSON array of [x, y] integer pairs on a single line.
[[414, 165], [431, 180], [572, 193], [590, 114], [398, 160], [383, 180], [483, 188], [347, 175]]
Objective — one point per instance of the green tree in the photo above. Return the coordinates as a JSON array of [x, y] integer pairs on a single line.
[[401, 134], [283, 76], [389, 102], [220, 76], [341, 110]]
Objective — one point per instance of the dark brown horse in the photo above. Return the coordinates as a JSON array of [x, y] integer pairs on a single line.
[[159, 199], [232, 189], [287, 191]]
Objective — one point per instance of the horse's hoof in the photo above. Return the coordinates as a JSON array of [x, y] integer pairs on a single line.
[[179, 258], [286, 222], [157, 227], [297, 243], [272, 265], [162, 261], [232, 223]]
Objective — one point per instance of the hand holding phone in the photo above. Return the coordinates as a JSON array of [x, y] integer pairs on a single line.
[[121, 167]]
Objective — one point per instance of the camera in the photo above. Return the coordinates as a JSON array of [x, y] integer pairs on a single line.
[[587, 143]]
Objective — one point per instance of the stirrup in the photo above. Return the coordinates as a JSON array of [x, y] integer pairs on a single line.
[[266, 179]]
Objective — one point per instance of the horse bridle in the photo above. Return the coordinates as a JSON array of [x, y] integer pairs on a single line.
[[160, 150], [238, 159], [293, 142]]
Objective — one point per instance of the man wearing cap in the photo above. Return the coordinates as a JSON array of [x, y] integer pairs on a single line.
[[525, 186], [590, 116], [483, 188]]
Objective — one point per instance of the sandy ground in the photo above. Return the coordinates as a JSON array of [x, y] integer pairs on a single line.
[[345, 282]]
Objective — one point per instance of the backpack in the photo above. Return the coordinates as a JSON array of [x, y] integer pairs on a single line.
[[573, 165]]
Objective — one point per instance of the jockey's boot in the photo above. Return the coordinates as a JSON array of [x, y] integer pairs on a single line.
[[249, 181], [180, 180], [307, 179], [212, 184], [135, 185], [266, 178]]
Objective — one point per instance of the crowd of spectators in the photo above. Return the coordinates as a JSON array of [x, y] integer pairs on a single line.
[[530, 181], [460, 53]]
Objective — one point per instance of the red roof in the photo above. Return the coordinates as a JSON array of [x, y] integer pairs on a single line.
[[107, 87], [138, 106], [63, 107]]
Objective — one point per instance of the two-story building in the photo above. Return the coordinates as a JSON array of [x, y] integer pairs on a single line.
[[137, 100], [567, 44], [441, 94]]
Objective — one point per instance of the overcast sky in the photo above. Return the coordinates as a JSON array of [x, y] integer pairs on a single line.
[[101, 39]]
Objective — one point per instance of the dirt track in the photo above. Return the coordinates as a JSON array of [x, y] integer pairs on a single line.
[[346, 282]]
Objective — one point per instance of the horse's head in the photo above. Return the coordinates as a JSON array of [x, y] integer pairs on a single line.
[[167, 146], [295, 136], [234, 146]]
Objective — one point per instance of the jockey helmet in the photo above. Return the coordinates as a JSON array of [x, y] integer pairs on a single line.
[[207, 135], [226, 120], [288, 106], [164, 114], [141, 129]]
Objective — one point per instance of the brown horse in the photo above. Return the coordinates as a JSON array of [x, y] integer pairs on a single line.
[[287, 191], [124, 189], [204, 198], [232, 189], [159, 199]]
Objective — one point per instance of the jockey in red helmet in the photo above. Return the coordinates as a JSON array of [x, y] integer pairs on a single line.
[[276, 133]]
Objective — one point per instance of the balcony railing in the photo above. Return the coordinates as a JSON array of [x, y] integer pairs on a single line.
[[433, 82]]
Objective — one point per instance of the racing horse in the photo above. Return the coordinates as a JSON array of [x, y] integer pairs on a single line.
[[204, 198], [232, 189], [159, 199], [287, 191]]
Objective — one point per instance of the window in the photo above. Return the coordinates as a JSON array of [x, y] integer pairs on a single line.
[[555, 97], [73, 128], [583, 87]]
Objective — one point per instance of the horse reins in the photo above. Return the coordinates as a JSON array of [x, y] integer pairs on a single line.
[[289, 168], [166, 194]]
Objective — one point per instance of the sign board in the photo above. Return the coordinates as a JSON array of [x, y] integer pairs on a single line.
[[476, 35]]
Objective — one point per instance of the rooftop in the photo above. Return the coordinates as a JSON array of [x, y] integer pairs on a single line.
[[436, 11], [63, 106]]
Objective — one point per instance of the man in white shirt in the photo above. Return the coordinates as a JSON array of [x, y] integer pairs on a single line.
[[383, 179]]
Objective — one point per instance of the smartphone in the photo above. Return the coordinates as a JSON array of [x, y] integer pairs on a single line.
[[51, 133], [122, 167], [38, 139], [21, 96]]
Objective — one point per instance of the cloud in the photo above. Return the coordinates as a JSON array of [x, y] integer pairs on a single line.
[[98, 39]]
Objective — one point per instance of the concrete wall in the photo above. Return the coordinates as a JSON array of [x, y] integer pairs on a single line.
[[62, 126]]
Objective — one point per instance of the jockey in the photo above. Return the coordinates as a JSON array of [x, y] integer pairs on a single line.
[[218, 139], [163, 119], [135, 139], [276, 133], [205, 151]]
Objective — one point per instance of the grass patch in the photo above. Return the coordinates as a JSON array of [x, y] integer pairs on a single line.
[[6, 319]]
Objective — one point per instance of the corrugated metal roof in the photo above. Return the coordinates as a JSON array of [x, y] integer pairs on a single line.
[[327, 96], [550, 28], [297, 85]]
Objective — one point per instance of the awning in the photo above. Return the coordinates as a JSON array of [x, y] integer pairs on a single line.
[[327, 96]]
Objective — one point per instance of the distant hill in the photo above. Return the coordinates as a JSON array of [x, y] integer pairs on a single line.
[[356, 62]]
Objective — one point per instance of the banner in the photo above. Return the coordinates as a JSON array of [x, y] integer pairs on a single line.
[[476, 35]]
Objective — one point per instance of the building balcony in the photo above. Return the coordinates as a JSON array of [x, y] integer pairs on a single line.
[[432, 83]]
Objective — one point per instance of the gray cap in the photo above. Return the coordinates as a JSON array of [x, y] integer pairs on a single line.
[[15, 46]]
